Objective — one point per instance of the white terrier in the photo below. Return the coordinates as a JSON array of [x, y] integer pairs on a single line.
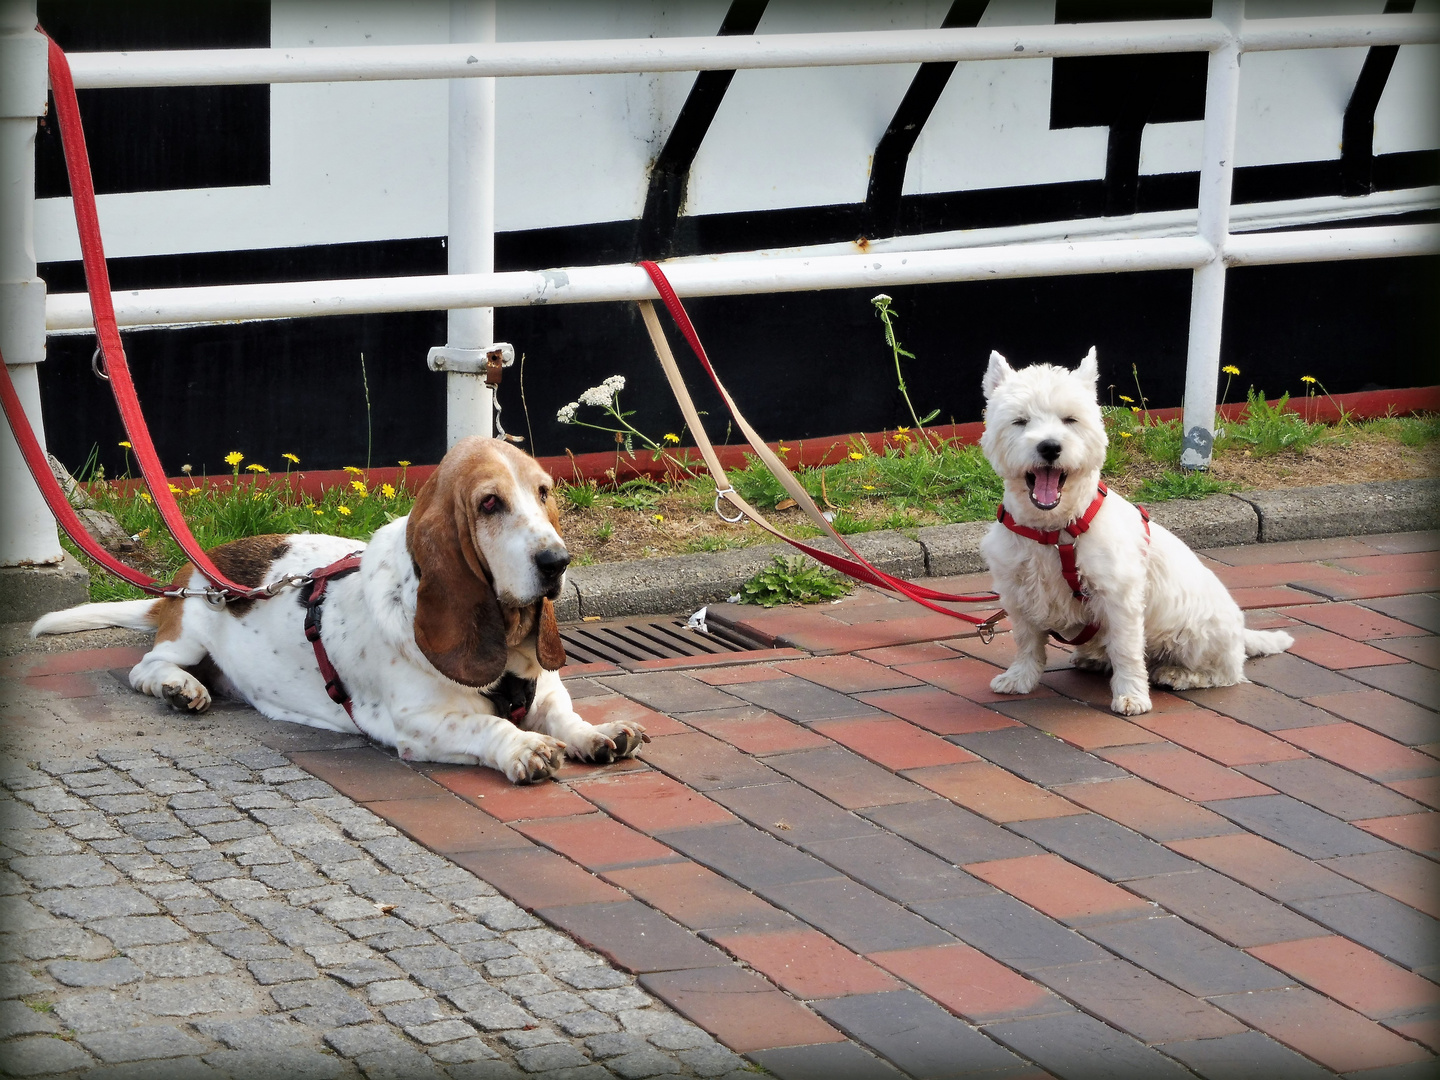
[[1127, 591]]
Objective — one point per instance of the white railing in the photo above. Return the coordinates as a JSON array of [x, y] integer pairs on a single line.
[[1204, 244]]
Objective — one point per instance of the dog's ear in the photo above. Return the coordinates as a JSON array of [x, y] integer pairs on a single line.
[[1089, 368], [995, 374], [549, 649], [458, 623]]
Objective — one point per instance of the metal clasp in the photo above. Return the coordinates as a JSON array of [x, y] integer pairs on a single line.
[[97, 364], [739, 514], [986, 630]]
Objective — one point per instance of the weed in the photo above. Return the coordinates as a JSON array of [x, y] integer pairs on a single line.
[[1413, 431], [793, 579], [1268, 429], [888, 317], [1175, 484], [581, 496], [605, 530], [757, 485], [639, 494]]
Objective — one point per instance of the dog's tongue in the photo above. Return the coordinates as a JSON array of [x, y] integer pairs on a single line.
[[1047, 486]]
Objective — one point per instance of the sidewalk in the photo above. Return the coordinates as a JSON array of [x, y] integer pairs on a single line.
[[841, 858]]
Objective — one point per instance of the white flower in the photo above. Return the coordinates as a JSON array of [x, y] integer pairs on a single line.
[[615, 383], [880, 298], [601, 396], [566, 415]]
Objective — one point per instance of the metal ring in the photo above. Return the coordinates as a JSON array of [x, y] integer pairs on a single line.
[[216, 599], [97, 364], [739, 515]]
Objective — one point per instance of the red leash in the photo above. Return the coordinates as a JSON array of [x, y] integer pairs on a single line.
[[97, 280], [856, 566]]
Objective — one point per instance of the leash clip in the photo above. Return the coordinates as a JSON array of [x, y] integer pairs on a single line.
[[294, 581], [986, 630], [739, 514]]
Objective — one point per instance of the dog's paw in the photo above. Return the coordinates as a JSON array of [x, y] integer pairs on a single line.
[[1130, 704], [187, 694], [538, 758], [1015, 681], [1097, 664], [611, 742]]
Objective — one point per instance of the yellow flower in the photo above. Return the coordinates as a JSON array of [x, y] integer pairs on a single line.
[[319, 512], [353, 471], [1307, 378], [672, 439], [1126, 435], [359, 488], [193, 491], [146, 496], [1230, 369], [868, 487], [1135, 408], [783, 449], [901, 438], [175, 490], [387, 491], [902, 431], [255, 467], [126, 445], [1127, 400], [659, 518], [291, 458], [403, 464], [234, 458], [855, 455], [342, 509]]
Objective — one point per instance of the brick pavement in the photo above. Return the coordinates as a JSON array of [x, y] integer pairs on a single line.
[[862, 863]]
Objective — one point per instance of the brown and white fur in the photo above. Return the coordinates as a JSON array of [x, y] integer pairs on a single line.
[[1154, 602], [446, 602]]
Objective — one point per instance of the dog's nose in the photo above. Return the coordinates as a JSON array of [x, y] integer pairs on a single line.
[[1049, 450], [552, 562]]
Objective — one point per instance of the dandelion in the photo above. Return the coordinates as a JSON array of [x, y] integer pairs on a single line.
[[146, 496], [1135, 409], [855, 455], [343, 509], [358, 486], [783, 449], [1126, 435], [1127, 400], [1230, 369], [175, 490], [671, 438], [255, 467], [403, 464], [1307, 379], [319, 512], [659, 518], [353, 471], [566, 415], [193, 491], [234, 458], [126, 445], [387, 491], [868, 487], [291, 458], [186, 468]]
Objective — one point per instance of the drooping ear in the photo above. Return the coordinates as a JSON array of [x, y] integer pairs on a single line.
[[995, 374], [458, 623], [1089, 368], [549, 649]]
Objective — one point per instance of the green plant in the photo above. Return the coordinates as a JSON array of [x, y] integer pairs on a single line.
[[793, 579], [1268, 429], [1174, 484], [888, 317], [639, 494], [757, 485], [581, 496], [606, 397]]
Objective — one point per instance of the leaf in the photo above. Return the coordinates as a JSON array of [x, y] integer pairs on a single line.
[[785, 504], [926, 419]]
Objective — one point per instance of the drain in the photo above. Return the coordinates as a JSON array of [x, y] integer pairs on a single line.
[[627, 641]]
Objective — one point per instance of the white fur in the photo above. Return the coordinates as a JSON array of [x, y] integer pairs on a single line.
[[1155, 603], [400, 699]]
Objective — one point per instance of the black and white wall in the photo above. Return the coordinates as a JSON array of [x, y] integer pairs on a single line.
[[236, 184]]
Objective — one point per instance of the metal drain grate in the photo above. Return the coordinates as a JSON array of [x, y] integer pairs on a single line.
[[626, 641]]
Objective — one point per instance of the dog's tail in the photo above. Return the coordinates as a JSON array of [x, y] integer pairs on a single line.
[[126, 614], [1266, 642]]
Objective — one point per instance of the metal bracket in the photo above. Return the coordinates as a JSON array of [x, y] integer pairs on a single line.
[[488, 362], [22, 321]]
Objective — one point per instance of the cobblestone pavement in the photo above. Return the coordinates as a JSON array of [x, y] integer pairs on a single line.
[[182, 901], [843, 858]]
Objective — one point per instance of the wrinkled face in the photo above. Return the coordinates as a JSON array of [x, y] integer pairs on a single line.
[[514, 523], [1042, 424]]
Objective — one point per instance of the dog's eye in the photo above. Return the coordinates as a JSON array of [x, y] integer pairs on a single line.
[[1071, 420], [1022, 421], [490, 504], [544, 494]]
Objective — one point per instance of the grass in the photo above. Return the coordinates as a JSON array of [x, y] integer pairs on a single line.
[[905, 485]]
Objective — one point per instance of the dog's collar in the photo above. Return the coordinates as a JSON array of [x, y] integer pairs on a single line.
[[1051, 537]]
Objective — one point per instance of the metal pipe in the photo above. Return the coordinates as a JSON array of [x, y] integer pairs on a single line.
[[212, 67], [1380, 242], [1207, 292], [469, 402], [27, 531]]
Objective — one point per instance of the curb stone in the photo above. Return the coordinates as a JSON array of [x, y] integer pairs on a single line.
[[680, 584], [27, 592]]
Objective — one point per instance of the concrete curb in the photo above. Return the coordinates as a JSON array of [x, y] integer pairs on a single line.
[[682, 583], [27, 592]]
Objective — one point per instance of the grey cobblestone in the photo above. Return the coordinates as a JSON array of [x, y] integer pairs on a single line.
[[271, 927]]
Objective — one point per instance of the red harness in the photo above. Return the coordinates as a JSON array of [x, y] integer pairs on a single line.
[[316, 596], [1075, 529]]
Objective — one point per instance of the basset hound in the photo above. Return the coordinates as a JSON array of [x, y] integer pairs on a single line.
[[445, 638]]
